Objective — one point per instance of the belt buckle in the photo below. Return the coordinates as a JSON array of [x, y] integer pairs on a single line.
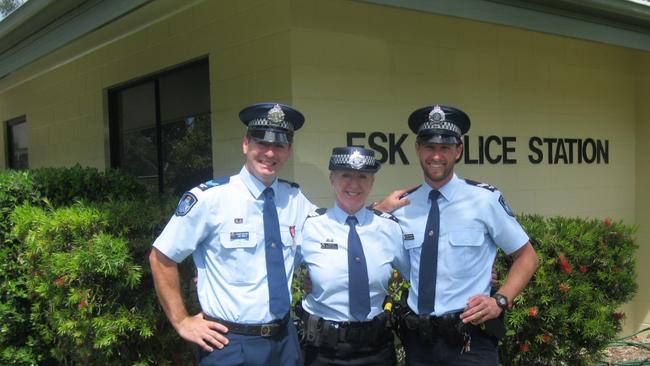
[[265, 330]]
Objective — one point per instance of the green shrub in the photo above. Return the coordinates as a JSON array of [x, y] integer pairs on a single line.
[[76, 285], [569, 312], [86, 287]]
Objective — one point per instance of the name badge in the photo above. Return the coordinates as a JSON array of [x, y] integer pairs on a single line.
[[239, 235], [329, 246], [409, 237]]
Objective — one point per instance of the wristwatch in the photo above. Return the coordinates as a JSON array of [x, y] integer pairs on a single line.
[[502, 301]]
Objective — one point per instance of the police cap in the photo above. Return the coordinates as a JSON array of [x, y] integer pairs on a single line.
[[353, 158], [439, 124], [272, 122]]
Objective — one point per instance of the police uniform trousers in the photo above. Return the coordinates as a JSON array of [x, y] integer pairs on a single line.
[[353, 354], [439, 352], [282, 349]]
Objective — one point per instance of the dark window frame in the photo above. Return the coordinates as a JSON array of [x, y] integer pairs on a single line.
[[10, 124], [116, 131]]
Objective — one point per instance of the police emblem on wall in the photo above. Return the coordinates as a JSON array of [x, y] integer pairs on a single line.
[[186, 203]]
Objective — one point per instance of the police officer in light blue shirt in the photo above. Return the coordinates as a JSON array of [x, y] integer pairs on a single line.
[[242, 232], [350, 252], [453, 227]]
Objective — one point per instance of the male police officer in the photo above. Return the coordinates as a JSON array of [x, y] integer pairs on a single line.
[[452, 229], [242, 233]]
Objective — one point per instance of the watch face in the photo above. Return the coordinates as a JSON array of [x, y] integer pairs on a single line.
[[502, 301]]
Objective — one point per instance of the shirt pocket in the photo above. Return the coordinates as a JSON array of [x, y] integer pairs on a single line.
[[239, 250], [466, 252]]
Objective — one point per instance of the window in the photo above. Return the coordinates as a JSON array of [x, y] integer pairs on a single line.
[[160, 128], [17, 143]]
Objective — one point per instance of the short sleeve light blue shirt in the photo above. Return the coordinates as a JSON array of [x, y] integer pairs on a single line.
[[224, 232], [474, 221], [325, 253]]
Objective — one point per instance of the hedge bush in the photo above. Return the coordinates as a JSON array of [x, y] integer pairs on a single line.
[[76, 286], [569, 313]]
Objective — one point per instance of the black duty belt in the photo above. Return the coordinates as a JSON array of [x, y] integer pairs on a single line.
[[448, 326], [319, 332], [260, 330]]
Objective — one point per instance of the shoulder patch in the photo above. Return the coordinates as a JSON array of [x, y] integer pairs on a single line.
[[292, 184], [185, 204], [317, 212], [410, 191], [505, 206], [481, 185], [214, 183], [385, 215]]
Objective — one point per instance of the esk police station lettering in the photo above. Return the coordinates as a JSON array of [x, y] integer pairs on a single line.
[[493, 149]]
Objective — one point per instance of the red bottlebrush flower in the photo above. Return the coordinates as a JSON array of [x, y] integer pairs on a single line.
[[607, 222], [564, 287], [532, 311], [564, 264], [618, 315], [616, 269], [546, 338], [524, 347], [59, 282], [583, 269], [83, 303]]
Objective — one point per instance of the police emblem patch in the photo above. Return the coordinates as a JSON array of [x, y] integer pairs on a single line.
[[186, 203], [505, 206]]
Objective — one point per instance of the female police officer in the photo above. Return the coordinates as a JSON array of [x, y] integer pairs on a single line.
[[350, 252]]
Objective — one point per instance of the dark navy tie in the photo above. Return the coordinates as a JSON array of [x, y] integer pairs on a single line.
[[429, 258], [358, 287], [276, 275]]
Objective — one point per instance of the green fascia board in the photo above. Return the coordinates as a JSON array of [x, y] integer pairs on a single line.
[[44, 26], [524, 15]]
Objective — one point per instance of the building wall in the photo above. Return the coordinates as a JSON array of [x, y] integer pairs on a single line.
[[642, 300], [64, 94], [362, 68], [356, 67]]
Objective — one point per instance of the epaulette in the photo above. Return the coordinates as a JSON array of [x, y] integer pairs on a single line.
[[292, 184], [385, 215], [481, 185], [214, 183], [317, 212], [410, 191]]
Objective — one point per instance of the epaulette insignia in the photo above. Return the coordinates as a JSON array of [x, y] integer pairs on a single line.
[[481, 185], [292, 184], [214, 183], [410, 191], [317, 212], [384, 215]]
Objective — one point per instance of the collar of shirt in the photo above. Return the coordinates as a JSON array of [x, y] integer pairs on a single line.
[[341, 216], [447, 191], [254, 185]]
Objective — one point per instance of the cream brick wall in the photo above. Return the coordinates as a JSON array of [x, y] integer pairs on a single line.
[[363, 68], [63, 94], [642, 300]]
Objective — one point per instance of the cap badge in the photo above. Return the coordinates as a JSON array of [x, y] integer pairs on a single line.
[[275, 115], [356, 160], [436, 115]]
